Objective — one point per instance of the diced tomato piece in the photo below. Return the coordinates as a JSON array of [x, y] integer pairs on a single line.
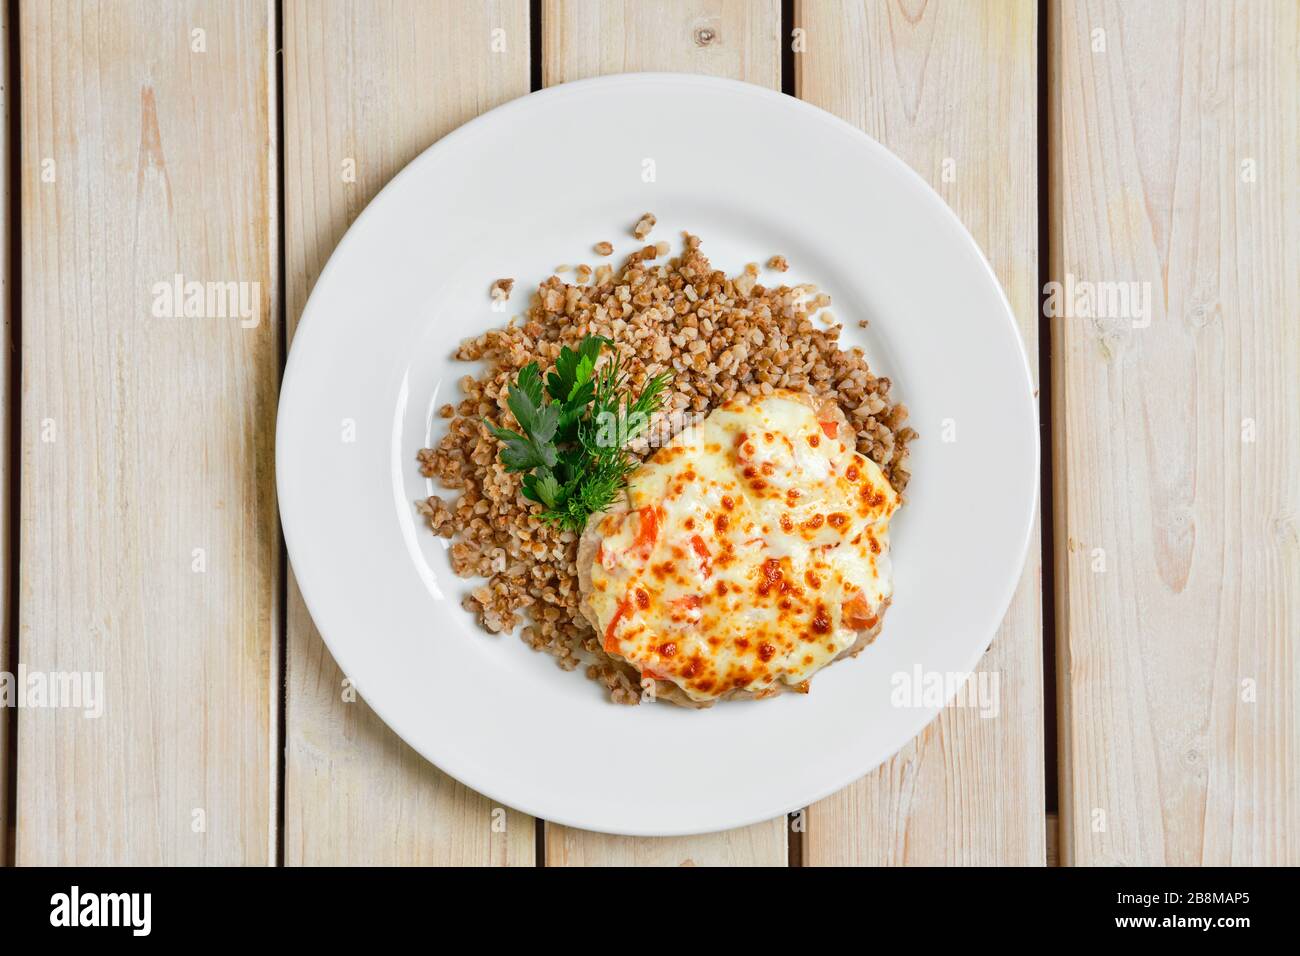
[[702, 550], [830, 428], [624, 608], [858, 613], [685, 610], [648, 528]]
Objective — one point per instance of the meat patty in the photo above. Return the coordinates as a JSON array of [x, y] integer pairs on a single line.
[[589, 549]]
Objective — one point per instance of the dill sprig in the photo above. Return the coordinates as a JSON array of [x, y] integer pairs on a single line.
[[575, 428]]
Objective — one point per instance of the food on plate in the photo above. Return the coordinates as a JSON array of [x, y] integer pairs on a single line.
[[644, 225], [574, 428], [717, 338], [748, 553]]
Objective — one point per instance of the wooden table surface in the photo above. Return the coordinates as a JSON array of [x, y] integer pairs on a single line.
[[1149, 710]]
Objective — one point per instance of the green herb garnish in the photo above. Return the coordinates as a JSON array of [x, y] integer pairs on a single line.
[[575, 429]]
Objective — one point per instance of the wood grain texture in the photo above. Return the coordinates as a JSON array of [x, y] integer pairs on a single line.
[[367, 87], [738, 39], [149, 533], [732, 38], [762, 844], [8, 465], [951, 88], [1174, 160]]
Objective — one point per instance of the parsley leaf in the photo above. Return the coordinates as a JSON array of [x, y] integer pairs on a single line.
[[525, 399], [574, 369], [542, 487], [572, 385], [538, 419], [521, 453]]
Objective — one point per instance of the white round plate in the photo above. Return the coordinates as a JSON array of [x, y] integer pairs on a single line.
[[533, 184]]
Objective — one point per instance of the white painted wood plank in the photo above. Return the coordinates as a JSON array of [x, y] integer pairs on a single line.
[[1177, 420], [149, 534], [367, 87]]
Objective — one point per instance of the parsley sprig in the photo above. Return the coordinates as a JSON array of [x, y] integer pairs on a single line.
[[575, 428]]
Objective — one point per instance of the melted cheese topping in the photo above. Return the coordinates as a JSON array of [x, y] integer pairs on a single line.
[[756, 549]]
